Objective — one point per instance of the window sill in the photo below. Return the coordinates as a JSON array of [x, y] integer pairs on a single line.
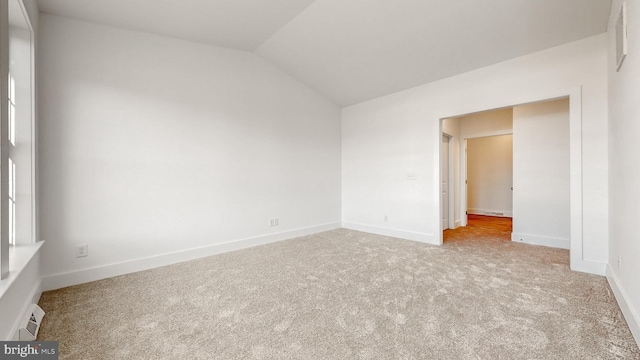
[[19, 258]]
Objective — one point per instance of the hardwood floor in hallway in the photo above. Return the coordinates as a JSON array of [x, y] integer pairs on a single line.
[[491, 222], [481, 227]]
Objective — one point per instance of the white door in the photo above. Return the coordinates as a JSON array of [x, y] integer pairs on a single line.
[[444, 173]]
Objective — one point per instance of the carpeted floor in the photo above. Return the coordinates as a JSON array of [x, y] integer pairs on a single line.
[[345, 294]]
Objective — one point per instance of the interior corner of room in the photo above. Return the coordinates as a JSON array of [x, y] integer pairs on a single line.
[[140, 147]]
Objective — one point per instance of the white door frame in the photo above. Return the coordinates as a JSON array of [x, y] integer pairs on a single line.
[[451, 182], [577, 261]]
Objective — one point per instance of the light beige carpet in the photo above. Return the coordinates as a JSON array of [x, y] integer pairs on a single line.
[[348, 295]]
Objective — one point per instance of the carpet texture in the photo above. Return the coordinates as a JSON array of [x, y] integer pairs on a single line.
[[345, 294]]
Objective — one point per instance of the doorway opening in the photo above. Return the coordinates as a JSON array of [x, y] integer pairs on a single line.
[[534, 183], [489, 175], [481, 230]]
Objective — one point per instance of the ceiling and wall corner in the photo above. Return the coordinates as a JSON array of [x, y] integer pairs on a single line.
[[361, 49], [241, 25]]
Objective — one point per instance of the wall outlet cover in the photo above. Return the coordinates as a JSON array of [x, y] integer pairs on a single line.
[[82, 250]]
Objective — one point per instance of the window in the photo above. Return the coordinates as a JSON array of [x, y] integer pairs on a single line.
[[18, 152], [12, 202], [12, 110], [12, 166]]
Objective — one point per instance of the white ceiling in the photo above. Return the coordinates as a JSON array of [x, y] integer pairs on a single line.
[[238, 24], [356, 50]]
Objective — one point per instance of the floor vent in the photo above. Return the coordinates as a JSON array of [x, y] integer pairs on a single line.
[[494, 213], [31, 323]]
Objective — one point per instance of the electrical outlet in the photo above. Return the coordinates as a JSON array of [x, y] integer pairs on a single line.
[[386, 218], [620, 262], [274, 222], [82, 250]]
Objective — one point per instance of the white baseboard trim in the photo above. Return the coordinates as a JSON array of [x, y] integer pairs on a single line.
[[57, 281], [33, 298], [498, 213], [589, 267], [457, 224], [630, 314], [402, 234], [541, 240]]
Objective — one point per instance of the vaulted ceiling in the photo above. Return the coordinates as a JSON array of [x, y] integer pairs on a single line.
[[355, 50]]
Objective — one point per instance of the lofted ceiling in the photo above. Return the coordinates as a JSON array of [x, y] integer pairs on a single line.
[[356, 50], [238, 24]]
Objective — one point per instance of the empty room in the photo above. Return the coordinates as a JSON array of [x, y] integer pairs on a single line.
[[319, 179]]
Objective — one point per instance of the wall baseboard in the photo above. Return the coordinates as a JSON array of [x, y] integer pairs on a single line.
[[589, 267], [485, 212], [541, 240], [71, 278], [457, 224], [402, 234], [630, 314]]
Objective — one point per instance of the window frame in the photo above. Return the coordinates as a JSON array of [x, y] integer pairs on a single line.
[[18, 147], [4, 146]]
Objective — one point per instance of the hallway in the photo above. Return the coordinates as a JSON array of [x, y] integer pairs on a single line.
[[481, 227]]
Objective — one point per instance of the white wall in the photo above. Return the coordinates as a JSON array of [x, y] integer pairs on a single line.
[[541, 202], [490, 175], [487, 123], [386, 137], [152, 146], [624, 168]]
